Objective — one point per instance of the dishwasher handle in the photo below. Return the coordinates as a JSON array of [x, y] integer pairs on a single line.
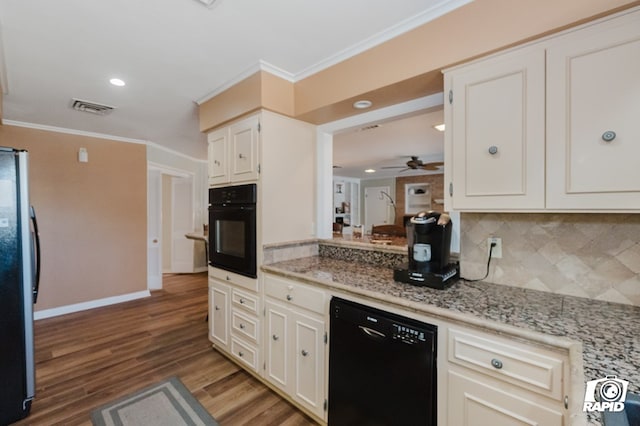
[[372, 333]]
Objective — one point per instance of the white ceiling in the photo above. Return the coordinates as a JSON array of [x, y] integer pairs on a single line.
[[172, 53], [390, 144]]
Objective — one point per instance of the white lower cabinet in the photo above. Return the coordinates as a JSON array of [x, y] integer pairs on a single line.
[[496, 381], [481, 401], [219, 295], [234, 323], [295, 348]]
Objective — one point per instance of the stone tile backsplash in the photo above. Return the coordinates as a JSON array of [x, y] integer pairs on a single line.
[[596, 256]]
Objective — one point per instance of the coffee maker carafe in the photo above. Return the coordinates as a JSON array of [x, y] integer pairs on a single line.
[[429, 249]]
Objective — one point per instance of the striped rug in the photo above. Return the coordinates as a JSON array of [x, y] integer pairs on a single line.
[[168, 403]]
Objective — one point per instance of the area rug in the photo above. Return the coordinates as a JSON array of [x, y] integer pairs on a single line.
[[168, 403]]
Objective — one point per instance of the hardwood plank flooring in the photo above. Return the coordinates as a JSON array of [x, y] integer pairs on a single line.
[[87, 359]]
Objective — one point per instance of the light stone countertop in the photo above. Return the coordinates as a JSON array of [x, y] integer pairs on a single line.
[[602, 337]]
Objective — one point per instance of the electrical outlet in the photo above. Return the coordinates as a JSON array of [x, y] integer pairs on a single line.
[[496, 253]]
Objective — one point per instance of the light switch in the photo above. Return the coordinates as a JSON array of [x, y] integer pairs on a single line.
[[83, 155]]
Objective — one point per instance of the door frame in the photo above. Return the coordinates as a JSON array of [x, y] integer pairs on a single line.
[[154, 248], [368, 226]]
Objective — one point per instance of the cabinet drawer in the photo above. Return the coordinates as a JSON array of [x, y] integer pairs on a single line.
[[245, 301], [245, 353], [294, 293], [243, 326], [232, 278], [529, 367]]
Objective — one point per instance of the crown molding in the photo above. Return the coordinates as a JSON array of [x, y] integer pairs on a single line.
[[442, 8], [405, 26], [99, 136]]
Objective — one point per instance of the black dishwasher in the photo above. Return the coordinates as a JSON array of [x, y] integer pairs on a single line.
[[382, 367]]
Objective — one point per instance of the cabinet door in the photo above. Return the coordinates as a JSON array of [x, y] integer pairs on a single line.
[[308, 358], [218, 156], [593, 87], [244, 150], [219, 314], [495, 130], [471, 402], [276, 340]]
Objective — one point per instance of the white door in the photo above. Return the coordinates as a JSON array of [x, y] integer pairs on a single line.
[[154, 230], [376, 207], [182, 223]]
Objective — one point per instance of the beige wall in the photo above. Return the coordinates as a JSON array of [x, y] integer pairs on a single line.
[[167, 229], [586, 255], [92, 216]]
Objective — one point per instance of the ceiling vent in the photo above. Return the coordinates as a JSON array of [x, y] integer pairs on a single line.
[[92, 107]]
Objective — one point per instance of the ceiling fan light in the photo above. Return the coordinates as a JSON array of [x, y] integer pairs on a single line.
[[370, 171], [439, 127]]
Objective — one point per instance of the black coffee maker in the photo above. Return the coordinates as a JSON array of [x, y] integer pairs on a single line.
[[429, 246]]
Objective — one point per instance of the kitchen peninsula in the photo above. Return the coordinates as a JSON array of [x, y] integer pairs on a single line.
[[596, 337]]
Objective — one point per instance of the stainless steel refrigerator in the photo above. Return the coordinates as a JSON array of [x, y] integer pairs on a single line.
[[19, 277]]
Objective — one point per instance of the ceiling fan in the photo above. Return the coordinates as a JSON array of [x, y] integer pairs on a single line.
[[415, 163]]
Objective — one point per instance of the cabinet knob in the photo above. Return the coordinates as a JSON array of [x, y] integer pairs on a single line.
[[566, 401], [217, 308], [496, 363], [241, 301], [242, 326], [228, 279], [304, 353], [275, 337], [240, 354], [216, 162], [241, 156], [608, 136], [493, 150], [289, 297]]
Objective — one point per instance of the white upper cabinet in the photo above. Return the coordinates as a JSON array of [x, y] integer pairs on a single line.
[[593, 117], [552, 126], [233, 152], [497, 124]]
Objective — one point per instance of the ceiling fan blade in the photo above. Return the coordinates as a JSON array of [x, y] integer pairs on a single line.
[[392, 167], [433, 166]]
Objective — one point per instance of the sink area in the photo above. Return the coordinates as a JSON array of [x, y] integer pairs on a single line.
[[630, 416]]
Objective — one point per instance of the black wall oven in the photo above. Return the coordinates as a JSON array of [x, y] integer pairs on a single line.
[[232, 229]]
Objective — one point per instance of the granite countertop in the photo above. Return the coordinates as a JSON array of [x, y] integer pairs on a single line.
[[608, 332]]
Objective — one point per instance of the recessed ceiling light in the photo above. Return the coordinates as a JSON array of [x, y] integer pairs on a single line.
[[370, 171], [362, 104], [117, 82], [439, 127]]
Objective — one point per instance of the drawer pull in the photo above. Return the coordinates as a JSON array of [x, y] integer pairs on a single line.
[[217, 308], [496, 363], [241, 326], [241, 301], [289, 297], [566, 401], [275, 337], [304, 353], [240, 354], [228, 278], [493, 150]]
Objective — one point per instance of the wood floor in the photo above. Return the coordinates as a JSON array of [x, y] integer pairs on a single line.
[[90, 358]]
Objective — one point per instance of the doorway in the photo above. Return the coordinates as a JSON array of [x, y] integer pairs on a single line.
[[170, 195], [376, 207]]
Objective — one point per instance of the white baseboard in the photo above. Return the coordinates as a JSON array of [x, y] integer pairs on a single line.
[[77, 307]]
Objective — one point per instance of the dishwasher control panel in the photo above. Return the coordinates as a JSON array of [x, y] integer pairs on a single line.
[[407, 334]]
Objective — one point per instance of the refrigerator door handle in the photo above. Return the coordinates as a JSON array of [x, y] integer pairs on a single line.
[[35, 253]]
